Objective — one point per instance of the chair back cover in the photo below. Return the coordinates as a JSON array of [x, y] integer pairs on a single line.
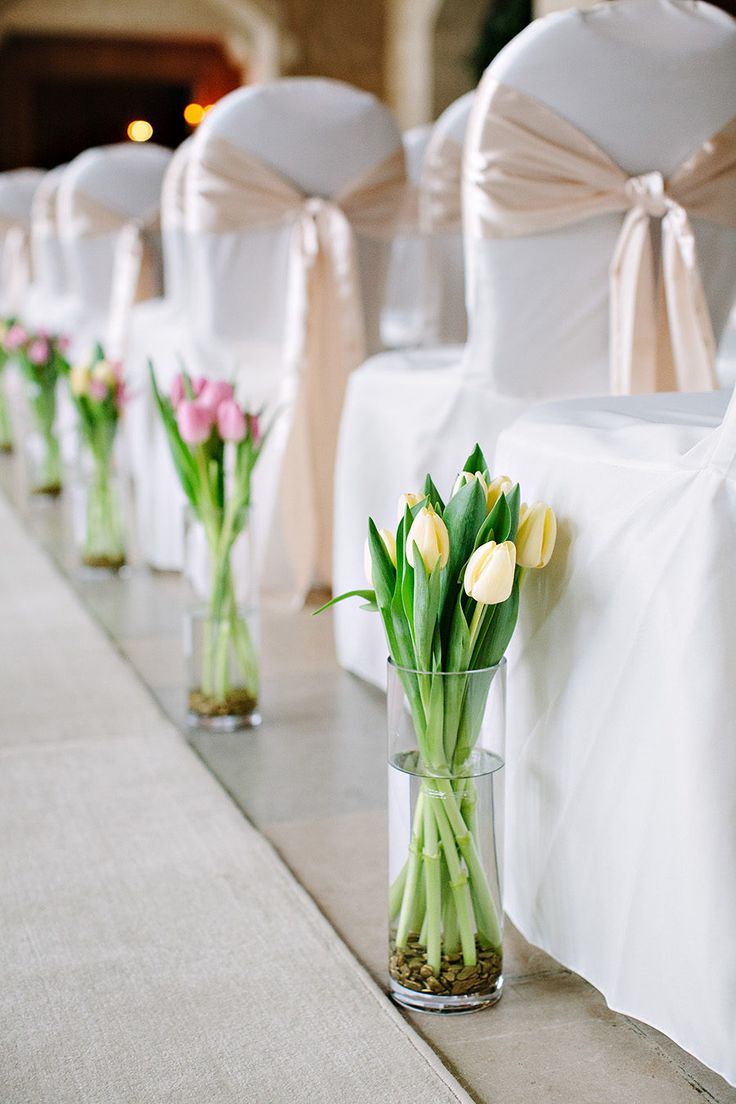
[[403, 314], [621, 758], [293, 191], [44, 302], [173, 226], [619, 90], [17, 189], [441, 220], [108, 205]]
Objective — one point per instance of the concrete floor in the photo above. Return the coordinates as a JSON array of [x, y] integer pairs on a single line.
[[312, 778]]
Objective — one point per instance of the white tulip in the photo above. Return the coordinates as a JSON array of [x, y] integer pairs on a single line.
[[498, 486], [489, 576], [466, 477], [389, 541], [409, 499], [429, 533], [536, 536]]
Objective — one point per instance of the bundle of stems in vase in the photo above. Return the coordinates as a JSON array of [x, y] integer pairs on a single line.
[[446, 584], [98, 393], [215, 445], [43, 362], [6, 430]]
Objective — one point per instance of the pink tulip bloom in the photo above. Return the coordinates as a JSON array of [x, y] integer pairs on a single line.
[[215, 392], [63, 343], [230, 421], [15, 337], [38, 351], [195, 421], [177, 393], [97, 390]]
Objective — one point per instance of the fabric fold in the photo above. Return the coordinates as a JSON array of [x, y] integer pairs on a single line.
[[232, 191], [535, 172]]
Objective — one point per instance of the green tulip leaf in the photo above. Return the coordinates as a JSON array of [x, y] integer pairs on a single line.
[[476, 462], [433, 495]]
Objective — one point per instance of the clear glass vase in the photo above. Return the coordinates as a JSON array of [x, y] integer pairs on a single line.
[[6, 432], [99, 515], [43, 454], [446, 743], [222, 664]]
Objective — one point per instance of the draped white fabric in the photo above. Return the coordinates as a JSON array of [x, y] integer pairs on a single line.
[[538, 304], [17, 189], [43, 303], [621, 798]]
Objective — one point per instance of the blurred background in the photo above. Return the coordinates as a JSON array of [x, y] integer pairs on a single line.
[[78, 74]]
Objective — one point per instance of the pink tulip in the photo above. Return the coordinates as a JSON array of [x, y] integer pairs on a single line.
[[38, 351], [195, 421], [63, 343], [97, 390], [178, 391], [230, 421], [15, 337], [215, 392]]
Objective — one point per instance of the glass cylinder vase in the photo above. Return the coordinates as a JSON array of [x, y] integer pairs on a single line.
[[221, 649], [99, 515], [445, 764], [6, 432], [43, 454]]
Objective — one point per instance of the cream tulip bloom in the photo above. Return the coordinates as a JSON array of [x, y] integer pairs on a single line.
[[498, 486], [536, 536], [79, 379], [409, 499], [489, 576], [466, 477], [389, 541], [429, 533], [103, 372]]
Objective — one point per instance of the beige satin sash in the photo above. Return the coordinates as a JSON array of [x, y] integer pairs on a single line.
[[440, 201], [136, 266], [173, 189], [325, 336], [15, 264], [529, 171]]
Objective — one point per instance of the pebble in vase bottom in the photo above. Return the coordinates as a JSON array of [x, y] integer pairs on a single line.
[[237, 710], [457, 988]]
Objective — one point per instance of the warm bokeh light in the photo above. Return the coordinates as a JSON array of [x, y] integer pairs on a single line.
[[208, 107], [194, 113], [140, 130]]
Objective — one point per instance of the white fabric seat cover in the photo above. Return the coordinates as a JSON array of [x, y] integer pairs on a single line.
[[621, 759], [43, 304], [403, 314], [102, 193], [538, 304], [317, 139], [17, 189]]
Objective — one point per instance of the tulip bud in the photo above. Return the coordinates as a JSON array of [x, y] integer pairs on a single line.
[[489, 576], [429, 533], [177, 393], [409, 499], [498, 486], [79, 378], [38, 351], [195, 422], [536, 536], [97, 390], [215, 392], [468, 477], [105, 373], [389, 541], [230, 421], [15, 337]]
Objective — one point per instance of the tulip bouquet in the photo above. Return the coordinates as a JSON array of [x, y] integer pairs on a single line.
[[6, 433], [446, 584], [215, 445], [42, 362], [98, 394]]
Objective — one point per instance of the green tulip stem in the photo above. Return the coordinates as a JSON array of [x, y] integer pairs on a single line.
[[433, 888], [413, 871], [6, 434]]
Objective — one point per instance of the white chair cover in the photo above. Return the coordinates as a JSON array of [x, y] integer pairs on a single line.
[[445, 320], [621, 758], [293, 191], [619, 76], [158, 329], [403, 314], [17, 189], [44, 303], [108, 208]]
